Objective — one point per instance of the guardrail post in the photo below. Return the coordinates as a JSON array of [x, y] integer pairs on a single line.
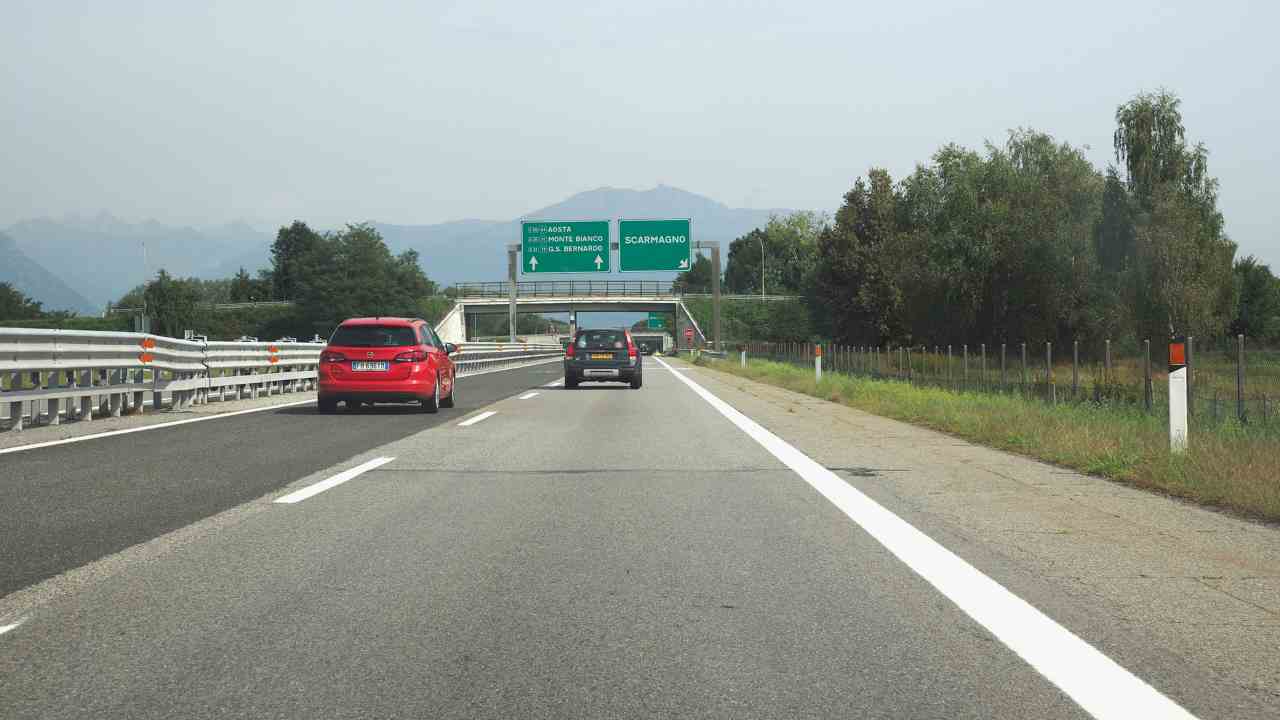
[[86, 401]]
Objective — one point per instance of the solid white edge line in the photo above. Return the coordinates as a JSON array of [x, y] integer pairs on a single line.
[[555, 383], [6, 628], [528, 395], [144, 428], [336, 480], [482, 416], [1094, 681]]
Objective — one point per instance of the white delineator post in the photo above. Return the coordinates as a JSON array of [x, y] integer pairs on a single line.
[[742, 356], [1178, 396], [817, 363]]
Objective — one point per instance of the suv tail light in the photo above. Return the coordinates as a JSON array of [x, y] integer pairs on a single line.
[[332, 357], [631, 347], [412, 356], [568, 352]]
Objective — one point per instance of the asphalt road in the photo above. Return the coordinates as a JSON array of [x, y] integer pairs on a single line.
[[67, 505], [593, 553]]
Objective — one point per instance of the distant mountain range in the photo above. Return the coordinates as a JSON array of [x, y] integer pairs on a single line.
[[34, 281], [101, 256], [476, 249]]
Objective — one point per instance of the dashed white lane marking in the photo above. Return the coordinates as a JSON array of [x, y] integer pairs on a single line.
[[528, 395], [6, 628], [1097, 683], [157, 426], [336, 480], [482, 416]]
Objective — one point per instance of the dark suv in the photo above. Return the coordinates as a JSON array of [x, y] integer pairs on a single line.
[[603, 356]]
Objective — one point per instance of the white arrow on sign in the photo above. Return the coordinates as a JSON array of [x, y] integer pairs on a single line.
[[599, 262], [533, 262], [684, 264]]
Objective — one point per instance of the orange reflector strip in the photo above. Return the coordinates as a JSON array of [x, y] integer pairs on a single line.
[[273, 349], [146, 357], [817, 351], [1177, 354], [148, 343], [274, 359]]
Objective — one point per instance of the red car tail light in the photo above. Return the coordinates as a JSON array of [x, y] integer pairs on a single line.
[[412, 356], [332, 357], [569, 351], [631, 347]]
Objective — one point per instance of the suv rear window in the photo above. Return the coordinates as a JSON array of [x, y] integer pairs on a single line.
[[601, 339], [374, 336]]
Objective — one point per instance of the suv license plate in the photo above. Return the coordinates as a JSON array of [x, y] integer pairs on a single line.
[[361, 366], [601, 356]]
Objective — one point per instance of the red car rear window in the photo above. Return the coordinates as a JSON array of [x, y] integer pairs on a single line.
[[374, 336]]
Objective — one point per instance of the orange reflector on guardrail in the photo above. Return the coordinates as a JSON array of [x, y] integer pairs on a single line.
[[274, 360], [146, 357], [817, 351], [273, 349], [148, 343]]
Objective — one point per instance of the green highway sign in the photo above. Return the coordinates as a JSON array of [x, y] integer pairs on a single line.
[[569, 246], [656, 321], [653, 245]]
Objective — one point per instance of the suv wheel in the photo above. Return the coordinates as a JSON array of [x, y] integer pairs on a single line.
[[326, 405], [570, 381]]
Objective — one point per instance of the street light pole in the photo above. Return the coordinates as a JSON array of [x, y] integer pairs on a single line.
[[761, 266]]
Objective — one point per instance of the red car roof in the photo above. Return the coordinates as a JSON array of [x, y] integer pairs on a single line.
[[390, 321]]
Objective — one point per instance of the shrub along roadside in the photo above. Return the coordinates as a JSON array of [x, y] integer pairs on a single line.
[[1229, 466]]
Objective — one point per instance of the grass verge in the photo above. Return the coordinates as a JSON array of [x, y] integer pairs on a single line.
[[1229, 466]]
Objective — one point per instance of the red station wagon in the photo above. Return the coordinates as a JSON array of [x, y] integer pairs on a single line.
[[386, 359]]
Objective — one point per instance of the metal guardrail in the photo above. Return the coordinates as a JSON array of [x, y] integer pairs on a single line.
[[474, 358], [46, 374]]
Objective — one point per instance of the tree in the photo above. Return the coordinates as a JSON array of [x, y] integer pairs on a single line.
[[292, 245], [16, 306], [1258, 301], [242, 287], [790, 249], [1182, 276], [172, 304], [696, 279], [857, 297]]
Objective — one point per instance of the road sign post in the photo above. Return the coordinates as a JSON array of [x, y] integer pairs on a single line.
[[654, 245], [570, 246], [511, 291]]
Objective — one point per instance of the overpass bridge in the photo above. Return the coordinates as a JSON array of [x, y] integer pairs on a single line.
[[567, 296]]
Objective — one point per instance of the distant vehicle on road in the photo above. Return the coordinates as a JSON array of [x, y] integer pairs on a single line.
[[372, 360], [603, 356]]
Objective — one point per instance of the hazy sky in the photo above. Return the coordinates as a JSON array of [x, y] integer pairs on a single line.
[[417, 112]]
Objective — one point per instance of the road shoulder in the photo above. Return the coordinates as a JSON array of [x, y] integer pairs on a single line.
[[1150, 580]]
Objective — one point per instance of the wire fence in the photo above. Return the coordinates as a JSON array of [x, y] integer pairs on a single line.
[[1229, 380]]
